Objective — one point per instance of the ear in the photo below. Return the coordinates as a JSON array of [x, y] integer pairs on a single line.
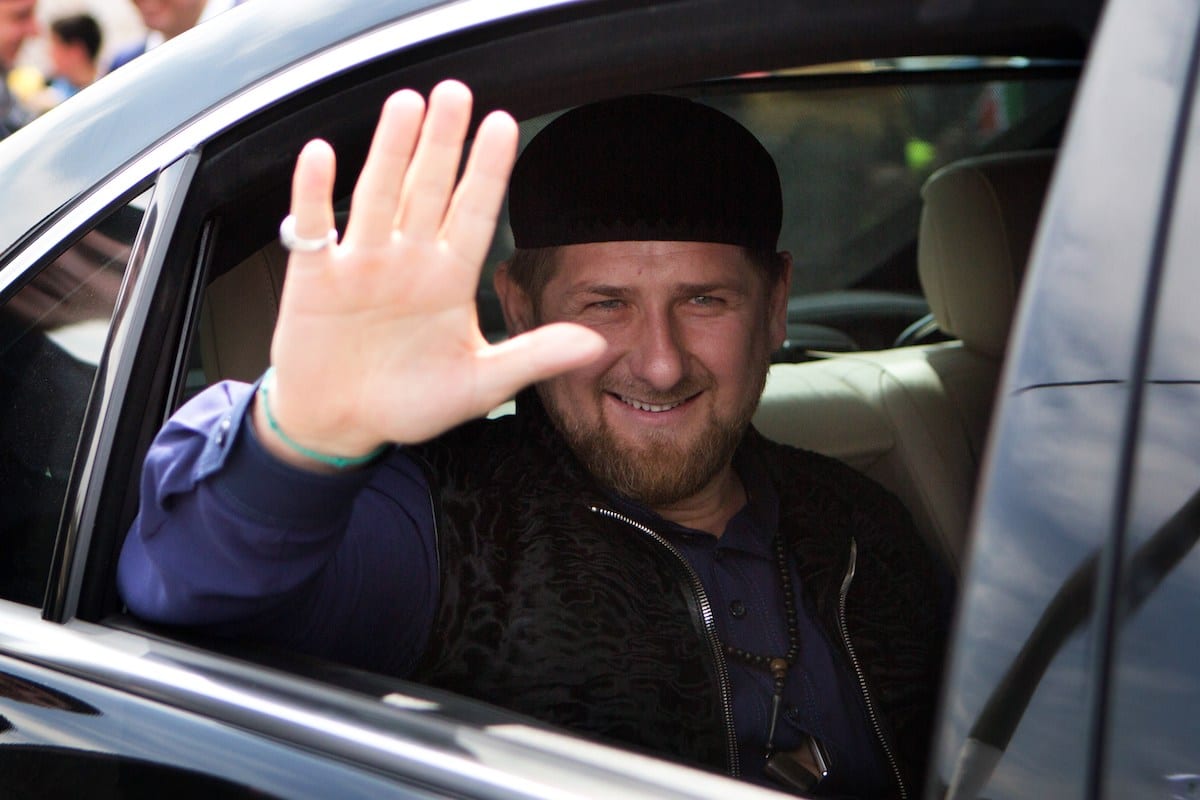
[[514, 302], [777, 302]]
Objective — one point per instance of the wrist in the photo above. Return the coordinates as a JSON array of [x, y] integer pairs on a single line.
[[292, 447]]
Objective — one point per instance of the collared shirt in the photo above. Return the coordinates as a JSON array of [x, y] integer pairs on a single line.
[[300, 557]]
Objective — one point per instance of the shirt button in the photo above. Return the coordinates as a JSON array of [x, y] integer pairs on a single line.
[[737, 608], [223, 430]]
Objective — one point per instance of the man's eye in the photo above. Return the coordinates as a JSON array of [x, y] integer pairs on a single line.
[[605, 305], [705, 300]]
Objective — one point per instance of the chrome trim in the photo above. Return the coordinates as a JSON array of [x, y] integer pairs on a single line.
[[268, 704], [710, 630], [408, 739]]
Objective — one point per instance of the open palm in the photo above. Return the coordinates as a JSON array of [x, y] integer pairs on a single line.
[[377, 339]]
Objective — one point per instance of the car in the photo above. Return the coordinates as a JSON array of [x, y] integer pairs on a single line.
[[990, 203]]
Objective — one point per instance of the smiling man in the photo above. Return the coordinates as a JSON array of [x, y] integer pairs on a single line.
[[625, 556]]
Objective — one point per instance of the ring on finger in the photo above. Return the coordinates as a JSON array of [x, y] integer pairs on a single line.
[[295, 243]]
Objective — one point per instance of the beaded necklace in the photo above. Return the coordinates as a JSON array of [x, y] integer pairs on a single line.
[[777, 666], [800, 773]]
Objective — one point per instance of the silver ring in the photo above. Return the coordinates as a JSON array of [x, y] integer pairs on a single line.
[[298, 244]]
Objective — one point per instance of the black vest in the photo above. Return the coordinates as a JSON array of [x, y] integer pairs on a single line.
[[552, 609]]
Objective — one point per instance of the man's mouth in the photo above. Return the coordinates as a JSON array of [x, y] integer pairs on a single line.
[[655, 408]]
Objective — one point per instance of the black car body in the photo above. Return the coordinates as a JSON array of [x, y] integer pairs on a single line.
[[1072, 669]]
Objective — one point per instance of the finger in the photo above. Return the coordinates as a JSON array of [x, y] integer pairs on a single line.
[[430, 179], [534, 356], [471, 221], [377, 192], [312, 192]]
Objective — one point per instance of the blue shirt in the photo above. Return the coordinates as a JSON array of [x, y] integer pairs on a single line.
[[345, 567], [821, 698]]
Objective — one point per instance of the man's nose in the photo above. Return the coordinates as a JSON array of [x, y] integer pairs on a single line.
[[658, 355]]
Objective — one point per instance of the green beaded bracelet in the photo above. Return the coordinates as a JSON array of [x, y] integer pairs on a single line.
[[340, 462]]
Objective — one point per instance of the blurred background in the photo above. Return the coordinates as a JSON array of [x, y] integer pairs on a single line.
[[120, 27], [50, 49]]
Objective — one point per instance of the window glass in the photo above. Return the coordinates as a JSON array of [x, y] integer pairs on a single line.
[[52, 333], [852, 160]]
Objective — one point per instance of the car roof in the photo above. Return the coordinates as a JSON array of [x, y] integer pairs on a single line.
[[62, 155]]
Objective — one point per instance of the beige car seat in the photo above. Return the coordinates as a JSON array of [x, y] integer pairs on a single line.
[[915, 418], [238, 316]]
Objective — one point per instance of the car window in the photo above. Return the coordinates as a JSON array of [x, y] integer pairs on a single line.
[[854, 143], [52, 332]]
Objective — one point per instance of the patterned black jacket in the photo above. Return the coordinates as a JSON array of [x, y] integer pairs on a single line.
[[553, 608]]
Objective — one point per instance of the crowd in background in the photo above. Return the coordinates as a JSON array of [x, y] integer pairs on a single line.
[[75, 46]]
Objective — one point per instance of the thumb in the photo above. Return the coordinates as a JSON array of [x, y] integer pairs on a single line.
[[536, 355]]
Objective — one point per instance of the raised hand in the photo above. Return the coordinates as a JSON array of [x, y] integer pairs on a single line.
[[377, 338]]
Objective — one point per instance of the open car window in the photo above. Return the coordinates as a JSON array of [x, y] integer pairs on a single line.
[[854, 143]]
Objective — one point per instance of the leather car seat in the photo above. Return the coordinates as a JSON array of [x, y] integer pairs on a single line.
[[915, 418], [237, 318]]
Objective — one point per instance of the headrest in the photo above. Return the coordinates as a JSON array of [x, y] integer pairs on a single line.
[[977, 228], [645, 168]]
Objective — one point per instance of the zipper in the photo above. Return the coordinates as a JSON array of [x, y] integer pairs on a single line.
[[858, 672], [710, 629]]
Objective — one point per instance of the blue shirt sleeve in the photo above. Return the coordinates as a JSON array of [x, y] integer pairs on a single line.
[[233, 542]]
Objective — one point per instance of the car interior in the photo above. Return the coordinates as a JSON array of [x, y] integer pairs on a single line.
[[912, 189], [912, 417]]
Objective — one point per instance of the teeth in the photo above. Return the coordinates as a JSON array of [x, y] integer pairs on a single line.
[[648, 406]]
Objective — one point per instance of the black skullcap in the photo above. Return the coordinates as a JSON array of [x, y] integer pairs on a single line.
[[645, 168]]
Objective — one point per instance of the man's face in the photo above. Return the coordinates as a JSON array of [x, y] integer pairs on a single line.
[[690, 329], [65, 57], [169, 17], [17, 23]]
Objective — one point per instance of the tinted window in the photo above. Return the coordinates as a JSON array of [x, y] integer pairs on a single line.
[[52, 332]]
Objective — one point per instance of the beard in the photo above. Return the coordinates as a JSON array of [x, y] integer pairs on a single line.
[[658, 469]]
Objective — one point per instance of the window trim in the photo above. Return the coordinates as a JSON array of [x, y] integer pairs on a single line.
[[110, 388]]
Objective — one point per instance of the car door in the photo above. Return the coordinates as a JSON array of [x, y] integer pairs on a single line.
[[1151, 723], [1077, 580]]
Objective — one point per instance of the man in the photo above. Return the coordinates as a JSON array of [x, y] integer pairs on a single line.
[[166, 19], [74, 46], [625, 556], [17, 23]]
